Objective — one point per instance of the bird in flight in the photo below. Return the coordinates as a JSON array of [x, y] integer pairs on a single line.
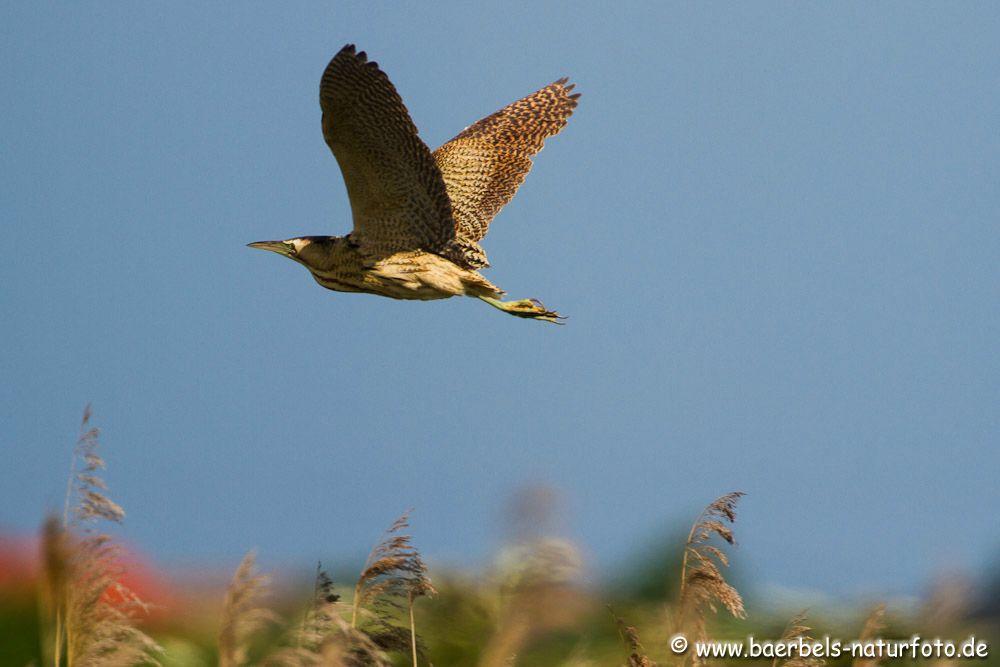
[[419, 216]]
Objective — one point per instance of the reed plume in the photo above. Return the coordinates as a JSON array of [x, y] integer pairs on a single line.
[[91, 615], [537, 575], [702, 582], [538, 596], [319, 620], [630, 637], [243, 615], [325, 639], [393, 577], [873, 626], [797, 629]]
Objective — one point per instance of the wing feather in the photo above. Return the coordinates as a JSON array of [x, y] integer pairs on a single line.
[[398, 197], [486, 163]]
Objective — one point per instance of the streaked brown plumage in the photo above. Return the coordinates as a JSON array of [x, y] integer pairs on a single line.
[[486, 163], [418, 216]]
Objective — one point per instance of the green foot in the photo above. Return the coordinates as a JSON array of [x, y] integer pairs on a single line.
[[529, 308]]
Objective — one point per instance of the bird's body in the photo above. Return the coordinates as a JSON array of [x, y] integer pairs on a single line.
[[418, 216], [339, 264]]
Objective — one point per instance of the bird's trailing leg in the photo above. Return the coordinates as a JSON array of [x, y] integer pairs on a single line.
[[529, 308]]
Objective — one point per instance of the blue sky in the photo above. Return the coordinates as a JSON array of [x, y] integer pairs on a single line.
[[773, 227]]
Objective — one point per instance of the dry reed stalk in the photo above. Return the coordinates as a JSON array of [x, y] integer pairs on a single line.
[[93, 615], [325, 639], [54, 585], [319, 619], [949, 601], [343, 646], [702, 582], [630, 637], [539, 597], [394, 572], [242, 614], [873, 626], [796, 629], [537, 575]]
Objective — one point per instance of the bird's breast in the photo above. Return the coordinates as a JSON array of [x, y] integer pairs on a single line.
[[413, 275]]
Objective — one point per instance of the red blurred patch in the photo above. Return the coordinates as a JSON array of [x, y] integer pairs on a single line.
[[20, 568], [19, 563]]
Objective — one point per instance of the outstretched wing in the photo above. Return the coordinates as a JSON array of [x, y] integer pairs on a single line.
[[485, 164], [398, 198]]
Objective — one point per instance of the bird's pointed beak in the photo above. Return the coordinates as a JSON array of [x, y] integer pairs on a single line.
[[279, 247]]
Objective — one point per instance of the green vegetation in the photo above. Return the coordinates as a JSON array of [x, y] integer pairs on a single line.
[[528, 610]]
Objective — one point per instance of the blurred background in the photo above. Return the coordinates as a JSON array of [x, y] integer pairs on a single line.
[[773, 227]]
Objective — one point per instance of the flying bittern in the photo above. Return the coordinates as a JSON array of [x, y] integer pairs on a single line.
[[418, 215]]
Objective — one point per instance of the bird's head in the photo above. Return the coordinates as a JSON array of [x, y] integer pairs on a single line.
[[312, 251]]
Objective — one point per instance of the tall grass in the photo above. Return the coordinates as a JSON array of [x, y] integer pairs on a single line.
[[243, 613], [88, 614], [532, 599], [394, 576], [702, 582]]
